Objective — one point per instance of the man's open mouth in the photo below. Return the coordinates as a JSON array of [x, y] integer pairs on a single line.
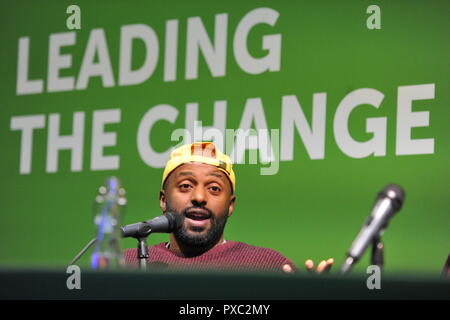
[[197, 214]]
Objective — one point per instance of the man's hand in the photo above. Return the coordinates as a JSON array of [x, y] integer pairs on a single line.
[[323, 267]]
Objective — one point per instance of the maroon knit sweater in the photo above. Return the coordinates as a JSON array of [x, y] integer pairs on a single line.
[[228, 256]]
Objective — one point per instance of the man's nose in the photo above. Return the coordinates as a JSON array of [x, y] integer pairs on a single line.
[[199, 197]]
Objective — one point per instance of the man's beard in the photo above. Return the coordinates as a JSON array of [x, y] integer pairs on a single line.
[[199, 241]]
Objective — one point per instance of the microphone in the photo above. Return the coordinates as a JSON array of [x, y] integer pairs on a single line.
[[165, 223], [388, 202]]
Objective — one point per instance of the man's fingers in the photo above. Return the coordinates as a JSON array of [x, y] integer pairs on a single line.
[[287, 268], [324, 266], [329, 264], [321, 266], [309, 264]]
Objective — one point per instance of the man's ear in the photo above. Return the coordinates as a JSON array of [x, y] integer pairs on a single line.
[[162, 200], [231, 205]]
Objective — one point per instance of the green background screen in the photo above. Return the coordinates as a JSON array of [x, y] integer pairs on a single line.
[[314, 206]]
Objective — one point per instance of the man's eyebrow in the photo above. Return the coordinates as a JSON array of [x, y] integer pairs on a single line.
[[186, 173], [218, 175]]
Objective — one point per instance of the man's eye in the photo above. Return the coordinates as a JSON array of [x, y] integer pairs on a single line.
[[185, 186], [215, 189]]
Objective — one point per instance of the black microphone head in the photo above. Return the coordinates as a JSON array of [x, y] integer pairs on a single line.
[[165, 223], [135, 230], [395, 193], [175, 221]]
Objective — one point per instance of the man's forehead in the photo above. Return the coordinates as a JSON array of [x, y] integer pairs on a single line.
[[197, 168]]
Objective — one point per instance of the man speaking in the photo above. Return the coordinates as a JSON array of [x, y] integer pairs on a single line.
[[199, 185]]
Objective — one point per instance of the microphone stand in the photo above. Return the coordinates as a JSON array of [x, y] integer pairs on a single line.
[[142, 252], [78, 256], [377, 257]]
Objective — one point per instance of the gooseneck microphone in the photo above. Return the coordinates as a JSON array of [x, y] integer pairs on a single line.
[[387, 203], [165, 223]]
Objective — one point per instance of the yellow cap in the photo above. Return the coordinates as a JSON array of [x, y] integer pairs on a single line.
[[203, 152]]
